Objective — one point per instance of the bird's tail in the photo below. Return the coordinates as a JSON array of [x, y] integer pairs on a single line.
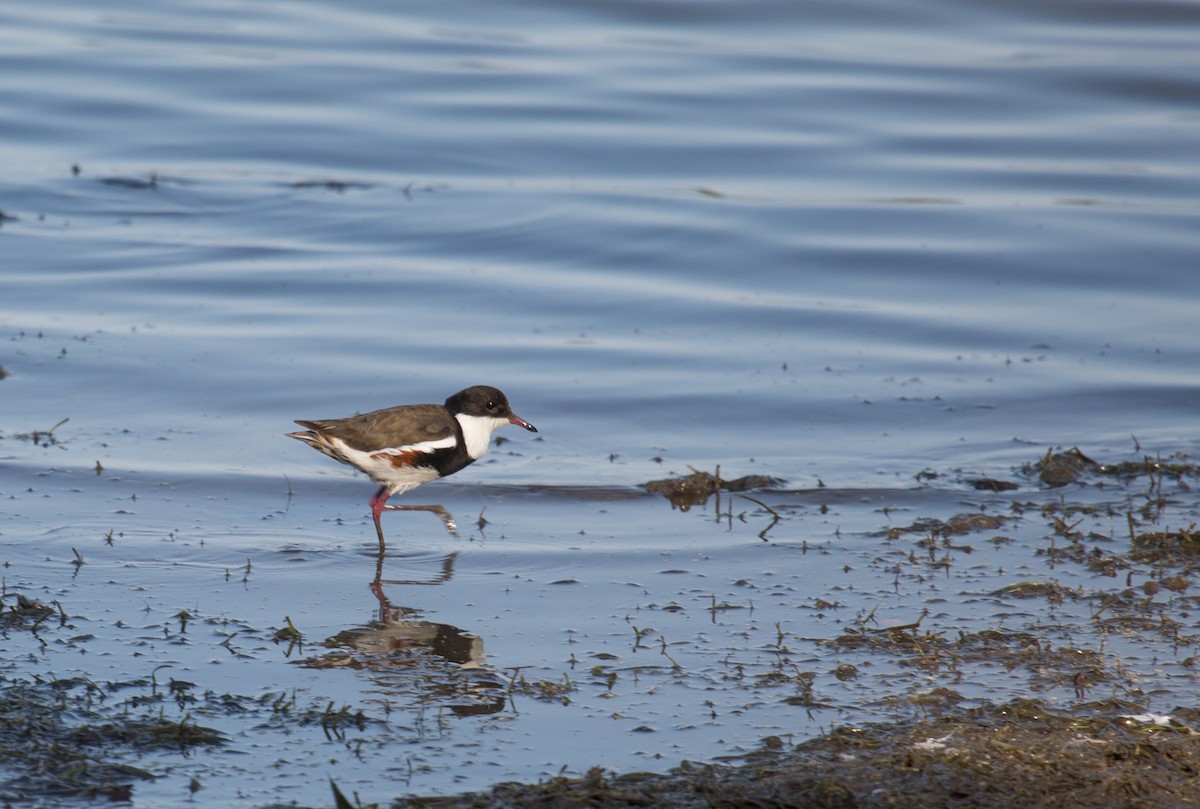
[[318, 442]]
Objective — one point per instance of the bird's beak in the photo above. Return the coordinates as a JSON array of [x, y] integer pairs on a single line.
[[520, 422]]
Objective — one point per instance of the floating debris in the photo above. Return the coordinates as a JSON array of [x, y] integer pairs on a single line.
[[696, 488], [1057, 469], [958, 524], [991, 485]]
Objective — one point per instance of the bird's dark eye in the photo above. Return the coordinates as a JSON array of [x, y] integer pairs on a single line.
[[490, 405]]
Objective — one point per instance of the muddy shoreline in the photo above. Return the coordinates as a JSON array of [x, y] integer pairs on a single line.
[[1019, 754], [1123, 530]]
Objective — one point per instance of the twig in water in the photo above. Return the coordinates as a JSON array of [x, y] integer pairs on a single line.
[[777, 519]]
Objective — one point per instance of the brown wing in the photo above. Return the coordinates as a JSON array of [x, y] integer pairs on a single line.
[[391, 427]]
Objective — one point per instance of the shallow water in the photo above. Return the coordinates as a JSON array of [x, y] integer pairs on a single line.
[[838, 244]]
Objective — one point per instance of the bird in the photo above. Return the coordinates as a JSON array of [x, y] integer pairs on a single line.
[[402, 447]]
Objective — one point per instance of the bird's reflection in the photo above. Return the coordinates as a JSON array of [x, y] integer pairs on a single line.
[[416, 660], [444, 573], [419, 662], [447, 566]]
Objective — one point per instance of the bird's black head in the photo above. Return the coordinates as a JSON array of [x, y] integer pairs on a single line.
[[485, 401]]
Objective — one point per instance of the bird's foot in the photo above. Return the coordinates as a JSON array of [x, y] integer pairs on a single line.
[[447, 518]]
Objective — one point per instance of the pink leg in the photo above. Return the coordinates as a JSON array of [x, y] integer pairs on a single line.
[[377, 503]]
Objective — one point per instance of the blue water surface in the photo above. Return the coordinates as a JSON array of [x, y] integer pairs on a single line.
[[840, 244]]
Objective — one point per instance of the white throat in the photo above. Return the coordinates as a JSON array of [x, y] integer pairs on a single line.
[[477, 432]]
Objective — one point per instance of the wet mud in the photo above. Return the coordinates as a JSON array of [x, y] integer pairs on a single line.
[[1018, 754], [1088, 730], [1104, 750]]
